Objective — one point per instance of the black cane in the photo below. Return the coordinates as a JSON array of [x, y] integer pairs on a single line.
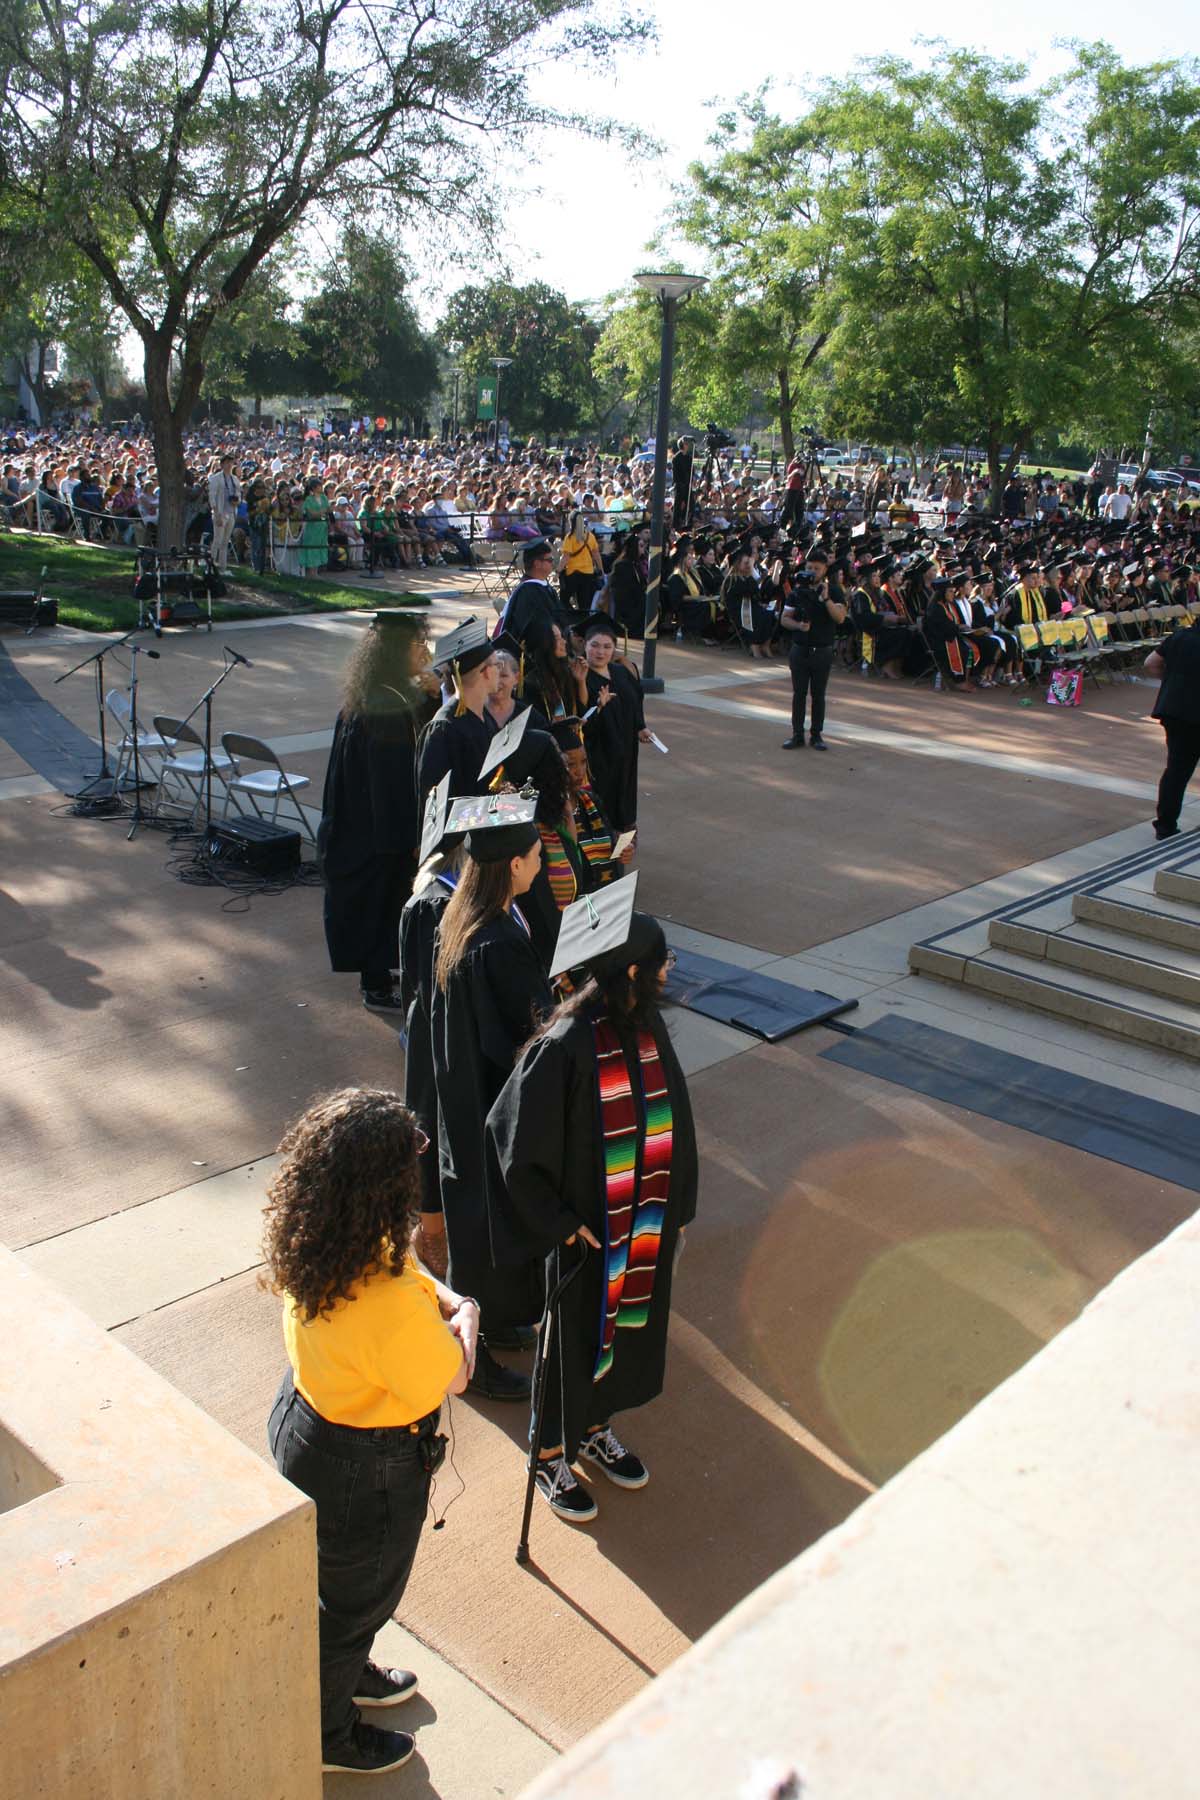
[[540, 1373]]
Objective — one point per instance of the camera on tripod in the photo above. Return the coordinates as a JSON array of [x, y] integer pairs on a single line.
[[715, 439]]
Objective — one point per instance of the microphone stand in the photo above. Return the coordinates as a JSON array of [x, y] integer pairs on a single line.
[[103, 786], [206, 701], [138, 815]]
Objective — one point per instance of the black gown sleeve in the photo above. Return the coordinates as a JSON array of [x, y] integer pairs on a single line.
[[527, 1133], [510, 993]]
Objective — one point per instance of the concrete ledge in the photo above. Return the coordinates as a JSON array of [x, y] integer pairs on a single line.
[[1107, 1014], [157, 1637], [1138, 921], [1013, 1614], [1177, 887]]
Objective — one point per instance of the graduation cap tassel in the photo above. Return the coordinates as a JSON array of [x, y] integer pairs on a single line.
[[521, 675], [461, 708]]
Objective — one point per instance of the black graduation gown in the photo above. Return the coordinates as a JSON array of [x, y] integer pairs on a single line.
[[489, 1009], [370, 828], [418, 933], [611, 737], [545, 1172], [533, 608], [628, 594], [453, 743]]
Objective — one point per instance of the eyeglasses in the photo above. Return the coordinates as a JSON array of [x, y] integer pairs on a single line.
[[670, 961], [422, 1141]]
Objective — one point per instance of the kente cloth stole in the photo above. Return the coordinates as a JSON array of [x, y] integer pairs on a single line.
[[592, 834], [557, 864], [636, 1190]]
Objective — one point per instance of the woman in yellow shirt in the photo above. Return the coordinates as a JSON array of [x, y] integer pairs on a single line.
[[375, 1345], [581, 565]]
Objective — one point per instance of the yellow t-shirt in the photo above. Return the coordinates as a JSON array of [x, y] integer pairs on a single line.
[[385, 1357], [578, 558]]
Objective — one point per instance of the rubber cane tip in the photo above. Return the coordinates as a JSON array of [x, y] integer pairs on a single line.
[[522, 1553]]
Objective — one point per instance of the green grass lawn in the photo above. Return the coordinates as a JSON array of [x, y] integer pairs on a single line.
[[93, 585]]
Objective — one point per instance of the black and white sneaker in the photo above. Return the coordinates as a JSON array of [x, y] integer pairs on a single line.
[[368, 1751], [382, 999], [384, 1687], [562, 1493], [605, 1450]]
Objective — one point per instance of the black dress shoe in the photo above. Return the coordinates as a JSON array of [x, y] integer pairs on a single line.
[[792, 743], [818, 742], [493, 1381]]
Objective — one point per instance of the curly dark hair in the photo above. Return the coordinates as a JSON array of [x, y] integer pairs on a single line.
[[345, 1202]]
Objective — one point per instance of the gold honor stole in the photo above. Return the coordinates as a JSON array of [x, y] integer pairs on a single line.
[[635, 1193]]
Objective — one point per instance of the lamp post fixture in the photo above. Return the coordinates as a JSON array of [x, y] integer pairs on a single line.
[[499, 363], [457, 374], [668, 290]]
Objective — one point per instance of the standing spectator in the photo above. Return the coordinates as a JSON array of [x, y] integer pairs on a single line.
[[1177, 709], [224, 492], [314, 537]]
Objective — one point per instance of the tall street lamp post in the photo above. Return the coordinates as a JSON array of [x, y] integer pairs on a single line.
[[668, 290], [499, 363], [457, 374]]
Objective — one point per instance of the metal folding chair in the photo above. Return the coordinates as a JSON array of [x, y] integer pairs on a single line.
[[187, 769], [150, 745], [272, 782]]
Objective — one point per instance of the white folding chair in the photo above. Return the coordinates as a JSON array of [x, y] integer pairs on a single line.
[[150, 745], [187, 769], [272, 782]]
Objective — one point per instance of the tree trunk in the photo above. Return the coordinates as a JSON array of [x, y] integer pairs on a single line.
[[995, 474], [166, 432], [786, 433]]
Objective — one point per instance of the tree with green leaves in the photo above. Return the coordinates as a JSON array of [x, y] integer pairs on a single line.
[[361, 336], [549, 387], [756, 208], [1011, 253], [176, 146]]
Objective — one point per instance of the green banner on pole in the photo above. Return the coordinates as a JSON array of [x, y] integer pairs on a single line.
[[485, 397]]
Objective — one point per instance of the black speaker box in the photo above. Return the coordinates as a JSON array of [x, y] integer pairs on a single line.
[[254, 845]]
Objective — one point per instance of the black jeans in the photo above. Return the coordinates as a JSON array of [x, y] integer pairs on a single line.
[[1183, 753], [371, 1490], [810, 666]]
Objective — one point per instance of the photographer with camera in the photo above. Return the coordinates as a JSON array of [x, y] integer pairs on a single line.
[[375, 1345], [814, 610], [681, 484]]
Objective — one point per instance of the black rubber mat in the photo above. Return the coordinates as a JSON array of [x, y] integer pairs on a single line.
[[749, 1001], [1130, 1129], [53, 747]]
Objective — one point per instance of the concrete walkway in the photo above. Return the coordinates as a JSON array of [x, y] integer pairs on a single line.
[[867, 1263]]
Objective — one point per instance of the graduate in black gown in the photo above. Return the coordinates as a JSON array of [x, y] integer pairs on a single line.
[[537, 764], [456, 739], [435, 881], [533, 603], [370, 825], [489, 993], [591, 1142], [617, 724]]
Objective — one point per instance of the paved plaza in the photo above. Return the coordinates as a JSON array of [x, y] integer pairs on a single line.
[[868, 1261]]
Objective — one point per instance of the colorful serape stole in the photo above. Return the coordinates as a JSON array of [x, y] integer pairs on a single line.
[[592, 834], [636, 1188], [557, 864]]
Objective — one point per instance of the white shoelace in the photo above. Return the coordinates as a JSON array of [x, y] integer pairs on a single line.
[[561, 1478], [608, 1444]]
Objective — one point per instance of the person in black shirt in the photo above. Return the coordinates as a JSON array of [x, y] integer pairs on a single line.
[[1177, 709], [681, 484], [814, 610]]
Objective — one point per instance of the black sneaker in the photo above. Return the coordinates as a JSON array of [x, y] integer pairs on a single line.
[[606, 1451], [368, 1751], [792, 743], [384, 1687], [511, 1337], [1163, 832], [562, 1493], [494, 1382], [818, 742], [382, 999]]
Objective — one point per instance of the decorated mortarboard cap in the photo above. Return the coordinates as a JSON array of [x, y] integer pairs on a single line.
[[498, 826], [433, 825], [464, 648], [505, 743], [598, 929], [1129, 569]]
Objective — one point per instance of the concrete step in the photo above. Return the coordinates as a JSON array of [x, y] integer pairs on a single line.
[[1109, 955], [1164, 923], [1085, 998], [1175, 886]]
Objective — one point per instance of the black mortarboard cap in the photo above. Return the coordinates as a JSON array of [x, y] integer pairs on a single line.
[[464, 648]]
